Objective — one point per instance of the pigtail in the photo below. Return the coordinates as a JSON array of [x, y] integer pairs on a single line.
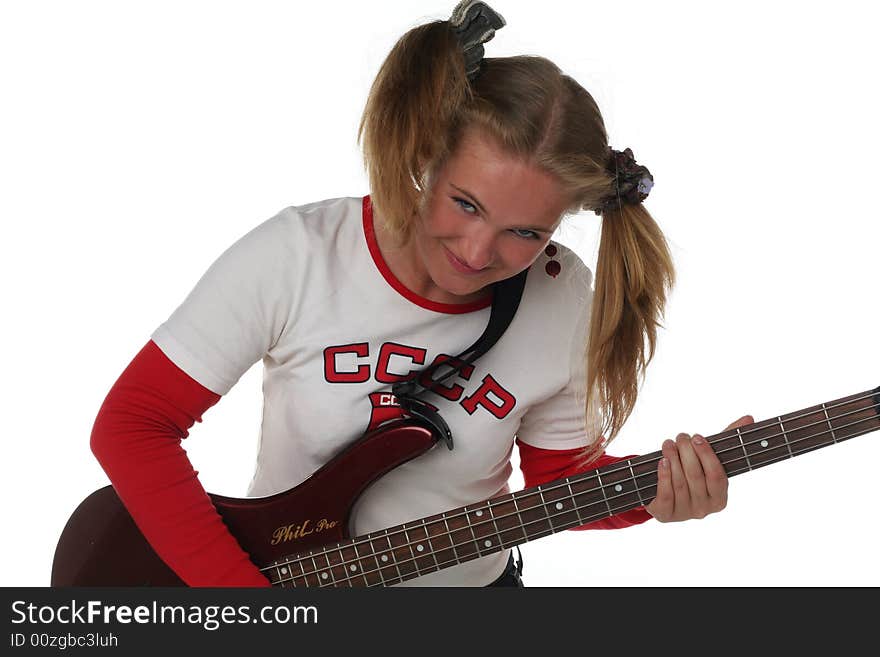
[[634, 274], [413, 107]]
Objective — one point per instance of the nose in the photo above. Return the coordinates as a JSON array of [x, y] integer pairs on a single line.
[[478, 249]]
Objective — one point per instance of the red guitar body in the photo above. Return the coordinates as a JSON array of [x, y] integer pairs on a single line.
[[102, 546]]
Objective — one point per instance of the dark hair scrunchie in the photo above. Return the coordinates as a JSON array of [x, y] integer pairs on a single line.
[[632, 181]]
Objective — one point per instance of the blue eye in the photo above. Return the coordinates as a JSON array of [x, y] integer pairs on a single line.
[[467, 207], [524, 233]]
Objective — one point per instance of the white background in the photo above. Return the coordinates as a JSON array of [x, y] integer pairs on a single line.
[[139, 140]]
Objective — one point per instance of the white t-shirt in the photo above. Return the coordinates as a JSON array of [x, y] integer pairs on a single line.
[[307, 292]]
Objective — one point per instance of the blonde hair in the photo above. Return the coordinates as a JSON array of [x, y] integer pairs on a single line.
[[420, 105]]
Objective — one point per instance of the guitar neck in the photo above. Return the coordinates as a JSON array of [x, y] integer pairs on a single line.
[[420, 547]]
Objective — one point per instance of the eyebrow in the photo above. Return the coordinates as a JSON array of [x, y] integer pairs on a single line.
[[537, 229]]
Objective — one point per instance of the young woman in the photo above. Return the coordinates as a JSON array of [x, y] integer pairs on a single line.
[[473, 163]]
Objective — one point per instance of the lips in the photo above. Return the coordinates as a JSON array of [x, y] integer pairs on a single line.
[[459, 265]]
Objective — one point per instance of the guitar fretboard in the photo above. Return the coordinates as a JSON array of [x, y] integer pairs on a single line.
[[424, 546]]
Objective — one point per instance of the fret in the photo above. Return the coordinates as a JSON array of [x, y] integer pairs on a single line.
[[745, 451], [369, 565], [412, 553], [505, 516], [348, 556], [805, 430], [330, 568], [378, 565], [588, 496], [576, 509], [764, 443], [452, 542], [850, 411], [356, 567], [604, 496], [828, 420], [635, 482], [310, 577], [784, 436], [463, 536], [467, 517], [625, 494], [403, 553], [561, 504], [303, 571], [281, 570], [519, 517], [321, 577], [418, 544], [494, 523], [431, 545], [544, 507], [336, 560], [393, 557], [644, 468]]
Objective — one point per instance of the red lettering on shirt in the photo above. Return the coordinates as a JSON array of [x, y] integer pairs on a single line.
[[333, 375], [389, 349], [453, 392], [481, 398]]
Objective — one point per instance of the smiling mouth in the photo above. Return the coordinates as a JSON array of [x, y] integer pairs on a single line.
[[459, 265]]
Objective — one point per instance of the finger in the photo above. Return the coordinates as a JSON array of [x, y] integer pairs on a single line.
[[696, 479], [663, 504], [680, 490], [716, 480], [743, 421]]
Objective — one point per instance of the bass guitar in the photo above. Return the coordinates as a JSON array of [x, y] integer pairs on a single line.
[[301, 537]]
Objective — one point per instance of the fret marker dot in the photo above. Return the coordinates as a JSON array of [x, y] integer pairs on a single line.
[[384, 557], [324, 575], [284, 571], [478, 514], [618, 488], [353, 568], [559, 505], [420, 548], [488, 543], [764, 443]]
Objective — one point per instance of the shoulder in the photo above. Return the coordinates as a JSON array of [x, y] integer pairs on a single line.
[[319, 217], [560, 276], [557, 298], [296, 229]]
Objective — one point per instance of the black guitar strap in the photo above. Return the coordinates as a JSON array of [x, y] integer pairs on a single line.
[[505, 301]]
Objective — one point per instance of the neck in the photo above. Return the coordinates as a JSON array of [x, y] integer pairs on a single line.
[[407, 264]]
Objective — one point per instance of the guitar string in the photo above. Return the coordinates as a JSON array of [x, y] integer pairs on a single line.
[[649, 473], [651, 459], [297, 558], [613, 469], [500, 546]]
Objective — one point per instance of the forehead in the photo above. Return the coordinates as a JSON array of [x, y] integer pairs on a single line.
[[508, 187]]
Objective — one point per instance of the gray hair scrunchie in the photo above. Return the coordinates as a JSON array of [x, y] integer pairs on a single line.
[[474, 23]]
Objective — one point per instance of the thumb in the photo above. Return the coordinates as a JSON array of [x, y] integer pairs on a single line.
[[743, 421]]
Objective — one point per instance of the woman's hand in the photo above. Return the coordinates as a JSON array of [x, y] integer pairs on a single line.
[[691, 482]]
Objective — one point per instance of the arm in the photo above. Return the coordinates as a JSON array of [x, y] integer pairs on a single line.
[[542, 465], [136, 438]]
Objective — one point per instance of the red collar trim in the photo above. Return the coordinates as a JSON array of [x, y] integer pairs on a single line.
[[400, 288]]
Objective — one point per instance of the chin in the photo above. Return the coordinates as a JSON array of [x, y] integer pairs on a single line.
[[456, 286]]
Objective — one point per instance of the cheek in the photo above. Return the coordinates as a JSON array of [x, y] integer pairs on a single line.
[[444, 223]]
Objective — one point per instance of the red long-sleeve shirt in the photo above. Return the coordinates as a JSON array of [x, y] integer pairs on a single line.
[[136, 438]]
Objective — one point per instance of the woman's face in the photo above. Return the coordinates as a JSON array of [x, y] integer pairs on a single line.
[[488, 218]]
